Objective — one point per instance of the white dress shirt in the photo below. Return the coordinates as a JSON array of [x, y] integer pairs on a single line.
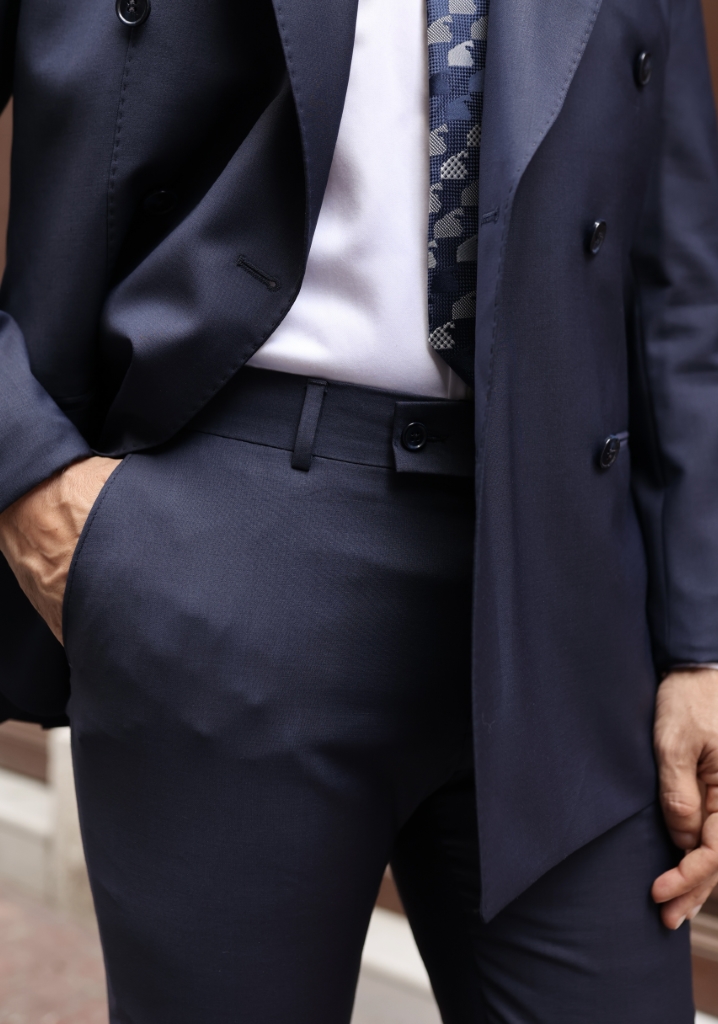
[[362, 314]]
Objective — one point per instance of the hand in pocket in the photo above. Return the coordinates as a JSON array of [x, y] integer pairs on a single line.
[[39, 532]]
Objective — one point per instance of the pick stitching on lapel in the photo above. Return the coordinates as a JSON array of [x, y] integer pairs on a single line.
[[534, 49], [318, 41]]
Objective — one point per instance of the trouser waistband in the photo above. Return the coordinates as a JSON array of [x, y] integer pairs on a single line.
[[332, 420]]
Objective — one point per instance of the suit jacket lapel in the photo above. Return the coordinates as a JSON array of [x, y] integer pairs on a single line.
[[318, 39], [534, 48]]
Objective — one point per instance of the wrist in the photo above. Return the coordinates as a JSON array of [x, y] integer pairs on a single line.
[[690, 666]]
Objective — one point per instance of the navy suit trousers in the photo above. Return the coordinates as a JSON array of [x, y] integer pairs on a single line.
[[268, 622]]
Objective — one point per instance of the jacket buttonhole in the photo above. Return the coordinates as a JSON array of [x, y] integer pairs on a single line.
[[272, 284]]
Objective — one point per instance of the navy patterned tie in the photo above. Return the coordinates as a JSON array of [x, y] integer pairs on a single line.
[[457, 57]]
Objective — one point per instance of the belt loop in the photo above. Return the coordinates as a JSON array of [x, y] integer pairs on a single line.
[[308, 422]]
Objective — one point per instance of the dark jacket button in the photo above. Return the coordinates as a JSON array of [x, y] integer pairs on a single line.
[[596, 236], [132, 12], [414, 436], [159, 202], [643, 69], [609, 451]]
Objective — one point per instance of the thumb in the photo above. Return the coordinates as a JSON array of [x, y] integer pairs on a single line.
[[680, 798]]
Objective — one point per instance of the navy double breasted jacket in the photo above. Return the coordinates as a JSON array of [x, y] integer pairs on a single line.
[[148, 160]]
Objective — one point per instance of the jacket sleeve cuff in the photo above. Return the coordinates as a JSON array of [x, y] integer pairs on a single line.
[[688, 666], [683, 665], [36, 437]]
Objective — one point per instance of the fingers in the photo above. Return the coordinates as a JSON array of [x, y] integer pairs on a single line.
[[686, 744], [696, 870], [677, 912], [685, 908], [684, 889], [681, 803], [680, 795], [711, 799], [39, 532]]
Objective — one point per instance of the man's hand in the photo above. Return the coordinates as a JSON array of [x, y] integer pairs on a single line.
[[39, 533], [686, 742]]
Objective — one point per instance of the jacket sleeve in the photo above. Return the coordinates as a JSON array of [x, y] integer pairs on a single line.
[[36, 438], [674, 428]]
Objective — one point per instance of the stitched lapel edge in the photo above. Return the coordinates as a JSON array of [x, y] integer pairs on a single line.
[[518, 116], [318, 41]]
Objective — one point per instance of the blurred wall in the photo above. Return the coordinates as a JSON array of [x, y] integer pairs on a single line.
[[710, 13]]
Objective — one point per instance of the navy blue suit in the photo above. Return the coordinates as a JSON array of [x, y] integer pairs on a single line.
[[121, 325]]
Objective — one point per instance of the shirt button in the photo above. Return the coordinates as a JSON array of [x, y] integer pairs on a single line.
[[414, 437], [609, 451], [132, 12], [643, 69], [159, 202], [597, 236]]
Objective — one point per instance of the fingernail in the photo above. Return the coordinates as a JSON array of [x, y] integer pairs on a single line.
[[695, 912], [682, 921]]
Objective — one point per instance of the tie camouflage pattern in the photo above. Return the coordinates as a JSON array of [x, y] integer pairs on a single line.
[[457, 57]]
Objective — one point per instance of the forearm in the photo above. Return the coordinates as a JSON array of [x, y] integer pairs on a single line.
[[36, 438]]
